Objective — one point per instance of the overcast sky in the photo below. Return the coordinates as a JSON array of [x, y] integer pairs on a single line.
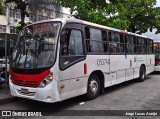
[[148, 34]]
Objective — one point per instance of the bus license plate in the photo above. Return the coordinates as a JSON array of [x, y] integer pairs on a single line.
[[24, 90]]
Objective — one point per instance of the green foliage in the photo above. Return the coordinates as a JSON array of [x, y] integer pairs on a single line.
[[140, 14], [20, 26], [132, 15], [1, 7], [20, 5]]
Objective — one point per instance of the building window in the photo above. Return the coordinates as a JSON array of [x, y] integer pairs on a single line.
[[2, 29], [12, 29], [15, 14], [32, 17]]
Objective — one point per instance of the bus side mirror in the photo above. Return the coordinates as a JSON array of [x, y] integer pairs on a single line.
[[63, 37]]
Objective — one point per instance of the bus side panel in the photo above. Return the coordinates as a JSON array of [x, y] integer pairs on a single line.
[[123, 65], [122, 62], [129, 74], [72, 81], [141, 59], [131, 65], [110, 79], [150, 63], [72, 87], [120, 76], [136, 72]]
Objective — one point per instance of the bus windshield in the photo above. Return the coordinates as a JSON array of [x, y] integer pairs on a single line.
[[36, 46]]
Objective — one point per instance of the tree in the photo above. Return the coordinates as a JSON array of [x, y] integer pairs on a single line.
[[34, 6], [132, 15], [20, 5], [140, 15], [1, 7]]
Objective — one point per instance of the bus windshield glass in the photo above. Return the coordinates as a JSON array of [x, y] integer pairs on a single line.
[[36, 46]]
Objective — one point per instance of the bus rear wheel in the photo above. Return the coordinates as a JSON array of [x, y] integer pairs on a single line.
[[142, 74], [93, 87]]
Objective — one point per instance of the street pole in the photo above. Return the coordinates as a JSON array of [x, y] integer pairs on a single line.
[[6, 77]]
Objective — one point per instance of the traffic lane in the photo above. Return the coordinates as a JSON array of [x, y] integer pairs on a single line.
[[130, 95]]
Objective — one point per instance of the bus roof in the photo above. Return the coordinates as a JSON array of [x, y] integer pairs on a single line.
[[156, 41], [72, 19]]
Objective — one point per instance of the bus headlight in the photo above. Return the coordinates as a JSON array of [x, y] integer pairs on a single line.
[[48, 79]]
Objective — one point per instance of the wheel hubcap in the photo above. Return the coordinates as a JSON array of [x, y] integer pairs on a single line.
[[93, 86]]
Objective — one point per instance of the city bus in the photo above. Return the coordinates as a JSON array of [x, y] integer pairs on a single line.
[[157, 55], [54, 60]]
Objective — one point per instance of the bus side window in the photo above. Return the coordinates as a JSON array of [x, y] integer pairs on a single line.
[[87, 34], [72, 49], [96, 40], [116, 43], [130, 44], [149, 47], [64, 47], [141, 45], [104, 37]]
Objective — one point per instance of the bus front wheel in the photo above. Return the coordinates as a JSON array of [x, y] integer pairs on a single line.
[[142, 74], [93, 87]]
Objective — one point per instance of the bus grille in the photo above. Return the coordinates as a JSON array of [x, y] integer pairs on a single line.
[[25, 83], [26, 93]]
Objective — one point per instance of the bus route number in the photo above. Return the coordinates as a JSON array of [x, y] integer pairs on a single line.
[[103, 62]]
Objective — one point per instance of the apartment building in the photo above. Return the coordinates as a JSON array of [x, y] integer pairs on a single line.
[[11, 17]]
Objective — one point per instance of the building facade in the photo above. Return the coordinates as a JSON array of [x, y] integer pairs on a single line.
[[11, 17]]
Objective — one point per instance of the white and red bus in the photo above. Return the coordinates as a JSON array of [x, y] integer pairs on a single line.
[[157, 54], [57, 59]]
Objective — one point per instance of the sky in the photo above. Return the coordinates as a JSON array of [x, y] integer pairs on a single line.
[[148, 34]]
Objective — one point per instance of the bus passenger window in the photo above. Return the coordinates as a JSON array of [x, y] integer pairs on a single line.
[[116, 43], [141, 45], [130, 44], [149, 47], [95, 40], [87, 34]]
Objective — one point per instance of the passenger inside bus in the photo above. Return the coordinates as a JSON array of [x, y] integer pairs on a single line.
[[2, 75]]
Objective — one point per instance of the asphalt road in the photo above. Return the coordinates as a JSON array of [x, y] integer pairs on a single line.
[[131, 95]]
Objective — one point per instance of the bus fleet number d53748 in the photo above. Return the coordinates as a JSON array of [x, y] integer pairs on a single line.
[[103, 62]]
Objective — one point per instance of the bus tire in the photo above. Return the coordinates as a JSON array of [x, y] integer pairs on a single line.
[[93, 87], [142, 74]]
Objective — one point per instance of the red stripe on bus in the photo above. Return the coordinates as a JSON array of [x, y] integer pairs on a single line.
[[130, 63], [85, 68], [28, 80]]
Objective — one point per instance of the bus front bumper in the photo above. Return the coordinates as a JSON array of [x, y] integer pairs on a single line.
[[47, 94]]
